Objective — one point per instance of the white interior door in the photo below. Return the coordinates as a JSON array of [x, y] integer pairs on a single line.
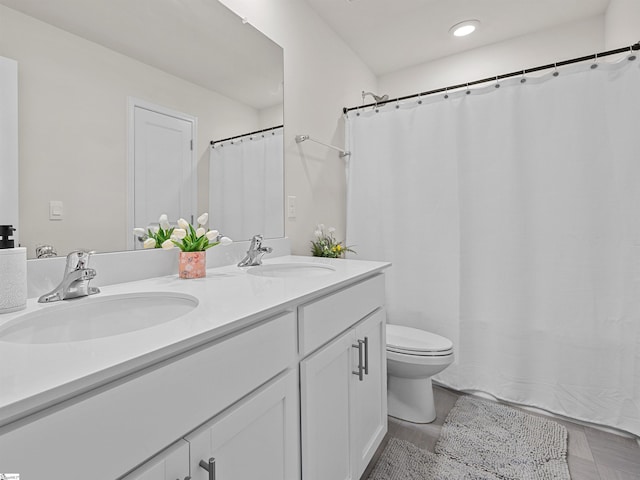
[[163, 167]]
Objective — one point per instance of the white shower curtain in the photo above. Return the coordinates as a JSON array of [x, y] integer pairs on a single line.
[[246, 186], [512, 218]]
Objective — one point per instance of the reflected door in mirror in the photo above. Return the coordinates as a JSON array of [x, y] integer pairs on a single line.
[[163, 167]]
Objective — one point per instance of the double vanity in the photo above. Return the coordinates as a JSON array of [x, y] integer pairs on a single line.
[[273, 372]]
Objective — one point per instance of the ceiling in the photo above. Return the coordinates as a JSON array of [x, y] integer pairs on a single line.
[[389, 35], [187, 38]]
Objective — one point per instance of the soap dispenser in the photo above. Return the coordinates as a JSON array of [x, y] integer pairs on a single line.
[[13, 272]]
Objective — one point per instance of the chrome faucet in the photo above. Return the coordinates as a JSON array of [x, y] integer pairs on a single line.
[[255, 253], [75, 282]]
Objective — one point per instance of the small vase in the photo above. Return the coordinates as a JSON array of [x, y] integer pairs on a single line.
[[193, 265]]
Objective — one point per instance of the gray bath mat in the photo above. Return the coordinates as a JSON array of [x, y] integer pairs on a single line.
[[402, 460], [500, 439]]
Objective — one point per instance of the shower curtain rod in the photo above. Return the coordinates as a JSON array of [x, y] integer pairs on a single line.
[[595, 56], [213, 142]]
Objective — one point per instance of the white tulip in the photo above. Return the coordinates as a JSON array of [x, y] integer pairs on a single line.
[[225, 241], [203, 219], [182, 223], [321, 226], [332, 230], [155, 229], [212, 235], [200, 232], [164, 222], [318, 233], [149, 243], [168, 244], [139, 232], [179, 233]]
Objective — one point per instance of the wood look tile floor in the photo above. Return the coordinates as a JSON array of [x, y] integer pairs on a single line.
[[593, 454]]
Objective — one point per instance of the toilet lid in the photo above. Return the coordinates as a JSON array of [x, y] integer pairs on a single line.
[[414, 341]]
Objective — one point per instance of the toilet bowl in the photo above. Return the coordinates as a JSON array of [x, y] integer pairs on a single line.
[[413, 357]]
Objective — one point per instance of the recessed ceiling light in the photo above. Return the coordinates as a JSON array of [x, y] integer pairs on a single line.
[[464, 28]]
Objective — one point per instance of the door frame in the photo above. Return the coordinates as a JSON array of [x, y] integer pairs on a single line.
[[132, 104], [9, 163]]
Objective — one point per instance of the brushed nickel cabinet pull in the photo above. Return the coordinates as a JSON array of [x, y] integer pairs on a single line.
[[209, 467], [366, 355], [360, 370]]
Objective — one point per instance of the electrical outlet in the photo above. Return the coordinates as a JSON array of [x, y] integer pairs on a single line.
[[291, 207]]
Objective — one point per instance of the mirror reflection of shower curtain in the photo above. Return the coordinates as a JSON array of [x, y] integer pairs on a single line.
[[512, 220], [246, 187]]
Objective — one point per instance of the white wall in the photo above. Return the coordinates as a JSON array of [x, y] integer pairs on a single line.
[[73, 128], [622, 23], [322, 75], [540, 48], [270, 117]]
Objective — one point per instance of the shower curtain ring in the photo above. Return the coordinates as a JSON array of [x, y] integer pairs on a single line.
[[555, 68], [497, 85], [523, 79], [397, 103], [468, 92], [595, 62], [632, 56], [446, 93], [420, 99]]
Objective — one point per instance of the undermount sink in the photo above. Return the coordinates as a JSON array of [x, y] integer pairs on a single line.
[[292, 270], [97, 317]]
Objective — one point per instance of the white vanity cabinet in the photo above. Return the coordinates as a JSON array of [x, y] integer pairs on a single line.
[[343, 382], [106, 433], [293, 390]]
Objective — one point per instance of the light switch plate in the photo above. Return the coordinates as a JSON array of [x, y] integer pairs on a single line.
[[56, 210]]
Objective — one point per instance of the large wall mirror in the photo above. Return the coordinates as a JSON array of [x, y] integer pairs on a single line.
[[83, 69]]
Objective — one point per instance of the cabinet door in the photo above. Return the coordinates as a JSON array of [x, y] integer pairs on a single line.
[[325, 388], [369, 399], [170, 464], [257, 438]]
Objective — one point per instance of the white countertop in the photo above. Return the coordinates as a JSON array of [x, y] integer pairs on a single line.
[[36, 376]]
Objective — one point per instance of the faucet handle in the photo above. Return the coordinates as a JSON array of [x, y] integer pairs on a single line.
[[78, 259], [256, 241]]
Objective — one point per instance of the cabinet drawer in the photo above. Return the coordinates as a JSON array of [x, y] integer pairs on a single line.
[[111, 432], [324, 319]]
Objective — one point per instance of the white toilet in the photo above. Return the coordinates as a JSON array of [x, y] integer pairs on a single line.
[[413, 357]]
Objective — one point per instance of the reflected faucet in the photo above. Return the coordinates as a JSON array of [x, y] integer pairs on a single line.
[[255, 253], [75, 282]]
